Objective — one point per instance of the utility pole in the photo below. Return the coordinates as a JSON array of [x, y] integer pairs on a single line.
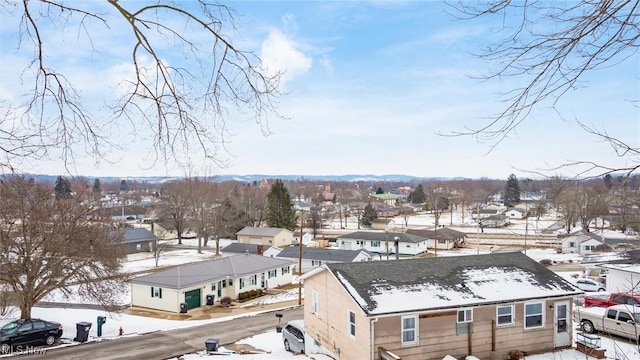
[[300, 258], [386, 237]]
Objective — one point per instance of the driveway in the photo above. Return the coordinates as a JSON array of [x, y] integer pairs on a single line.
[[172, 343]]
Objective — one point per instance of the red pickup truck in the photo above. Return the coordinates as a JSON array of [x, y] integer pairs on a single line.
[[605, 300]]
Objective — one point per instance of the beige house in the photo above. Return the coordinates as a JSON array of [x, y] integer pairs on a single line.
[[427, 308], [189, 286], [265, 235]]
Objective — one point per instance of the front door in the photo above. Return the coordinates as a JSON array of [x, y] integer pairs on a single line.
[[562, 325]]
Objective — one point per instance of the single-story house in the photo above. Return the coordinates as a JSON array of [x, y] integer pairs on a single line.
[[383, 242], [190, 284], [494, 221], [427, 308], [256, 249], [446, 238], [307, 237], [516, 213], [138, 240], [484, 213], [581, 242], [383, 224], [265, 236], [315, 257], [387, 199]]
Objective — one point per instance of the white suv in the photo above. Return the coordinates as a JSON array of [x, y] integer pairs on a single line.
[[293, 336]]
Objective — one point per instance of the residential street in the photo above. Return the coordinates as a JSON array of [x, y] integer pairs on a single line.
[[168, 344]]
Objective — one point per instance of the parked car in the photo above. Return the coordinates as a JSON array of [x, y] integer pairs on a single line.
[[28, 332], [587, 284], [293, 336], [606, 300]]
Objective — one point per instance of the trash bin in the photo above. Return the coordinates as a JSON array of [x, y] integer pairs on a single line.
[[210, 299], [211, 345], [82, 331], [183, 308]]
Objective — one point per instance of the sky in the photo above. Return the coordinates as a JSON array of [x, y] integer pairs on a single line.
[[369, 88]]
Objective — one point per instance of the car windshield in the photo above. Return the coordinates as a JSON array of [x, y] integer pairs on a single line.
[[10, 327]]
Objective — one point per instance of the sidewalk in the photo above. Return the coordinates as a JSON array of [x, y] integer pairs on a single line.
[[210, 311]]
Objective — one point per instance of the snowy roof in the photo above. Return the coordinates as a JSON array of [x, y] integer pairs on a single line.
[[397, 286], [260, 231], [320, 254], [233, 267], [383, 236]]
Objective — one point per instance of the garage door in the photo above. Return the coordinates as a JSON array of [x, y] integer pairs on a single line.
[[192, 299]]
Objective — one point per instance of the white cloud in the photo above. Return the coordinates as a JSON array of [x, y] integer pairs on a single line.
[[280, 53]]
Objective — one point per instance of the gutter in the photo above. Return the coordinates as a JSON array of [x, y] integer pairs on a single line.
[[372, 337]]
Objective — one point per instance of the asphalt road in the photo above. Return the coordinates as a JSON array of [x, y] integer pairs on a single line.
[[172, 343]]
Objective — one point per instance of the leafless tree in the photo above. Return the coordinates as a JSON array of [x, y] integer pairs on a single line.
[[177, 209], [552, 47], [180, 105], [49, 244]]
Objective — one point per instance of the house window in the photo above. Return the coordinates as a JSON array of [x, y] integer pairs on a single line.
[[409, 330], [589, 247], [316, 302], [504, 315], [224, 283], [254, 279], [375, 244], [230, 282], [285, 270], [316, 262], [442, 241], [156, 292], [273, 273], [533, 315], [572, 244], [352, 324], [465, 315], [241, 283]]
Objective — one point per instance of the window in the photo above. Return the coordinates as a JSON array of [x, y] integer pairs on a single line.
[[241, 283], [230, 282], [589, 247], [624, 317], [316, 262], [285, 270], [254, 279], [572, 244], [465, 315], [39, 325], [409, 330], [375, 243], [224, 283], [352, 323], [316, 302], [533, 315], [442, 241], [156, 292], [504, 315], [273, 273]]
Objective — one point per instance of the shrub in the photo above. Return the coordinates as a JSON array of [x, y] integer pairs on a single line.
[[225, 301], [546, 262]]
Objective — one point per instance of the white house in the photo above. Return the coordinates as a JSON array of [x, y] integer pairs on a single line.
[[383, 242], [623, 277], [193, 285], [315, 257], [516, 213], [581, 243]]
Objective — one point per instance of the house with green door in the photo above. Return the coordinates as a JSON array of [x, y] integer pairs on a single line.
[[204, 283]]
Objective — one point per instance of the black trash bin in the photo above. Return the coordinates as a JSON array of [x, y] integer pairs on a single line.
[[183, 308], [82, 331], [211, 345], [210, 299]]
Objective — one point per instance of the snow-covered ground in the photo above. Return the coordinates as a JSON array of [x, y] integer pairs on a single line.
[[271, 341]]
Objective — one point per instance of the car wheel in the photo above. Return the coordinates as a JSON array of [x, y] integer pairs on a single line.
[[50, 340], [286, 345], [601, 290], [5, 349], [587, 326]]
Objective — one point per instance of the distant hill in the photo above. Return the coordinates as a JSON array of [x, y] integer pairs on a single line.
[[258, 177]]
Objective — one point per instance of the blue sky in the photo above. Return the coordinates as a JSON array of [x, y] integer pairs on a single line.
[[369, 85]]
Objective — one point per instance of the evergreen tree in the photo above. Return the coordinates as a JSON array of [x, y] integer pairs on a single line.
[[280, 212], [379, 191], [512, 191], [96, 187], [369, 214], [418, 196], [123, 185], [62, 188]]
